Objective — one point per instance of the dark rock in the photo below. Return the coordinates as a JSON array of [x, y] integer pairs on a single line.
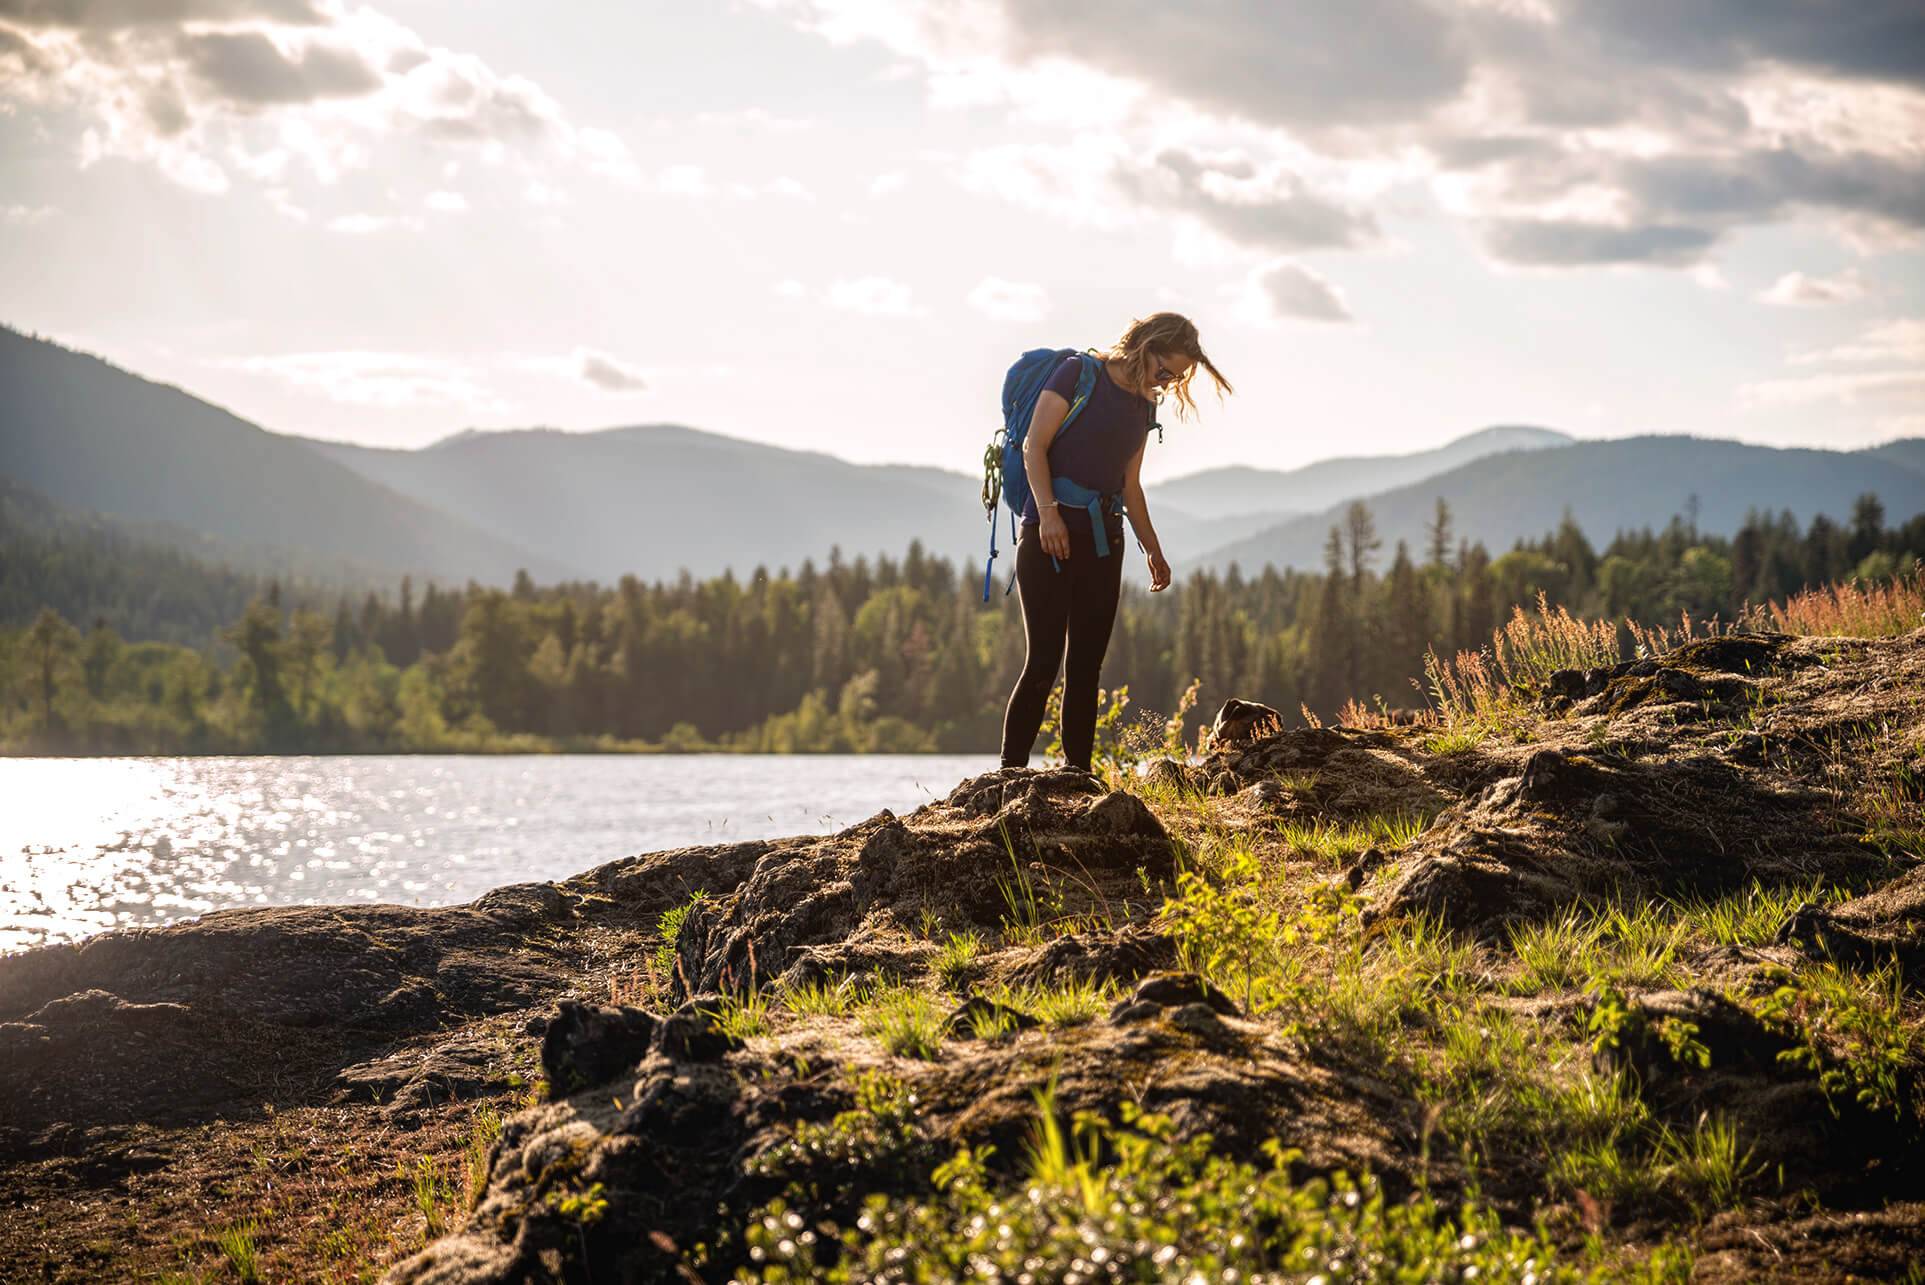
[[692, 1033], [1173, 989], [1885, 925], [973, 859], [962, 1023], [1240, 720], [590, 1044], [1198, 1019], [411, 1080], [1121, 956], [1572, 825], [1126, 1011]]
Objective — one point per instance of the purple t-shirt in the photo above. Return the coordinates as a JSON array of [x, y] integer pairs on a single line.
[[1095, 448]]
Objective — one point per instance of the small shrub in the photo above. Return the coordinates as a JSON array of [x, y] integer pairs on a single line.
[[668, 928], [1851, 1032], [1132, 1202]]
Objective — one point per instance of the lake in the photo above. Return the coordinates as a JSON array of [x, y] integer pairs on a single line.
[[92, 844]]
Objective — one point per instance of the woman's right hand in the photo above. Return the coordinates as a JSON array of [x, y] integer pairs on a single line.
[[1051, 531]]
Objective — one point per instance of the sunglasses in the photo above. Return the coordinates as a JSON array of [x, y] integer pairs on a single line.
[[1163, 375]]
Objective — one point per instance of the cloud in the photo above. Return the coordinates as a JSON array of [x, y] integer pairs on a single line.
[[387, 380], [1299, 65], [1262, 206], [1798, 290], [1001, 300], [789, 288], [24, 215], [607, 374], [106, 16], [245, 67], [873, 297], [369, 224], [198, 88], [1554, 243], [446, 202], [1284, 289], [1569, 133], [1898, 340], [1897, 393], [1878, 390]]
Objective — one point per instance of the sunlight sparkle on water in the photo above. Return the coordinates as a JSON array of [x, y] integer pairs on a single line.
[[92, 844]]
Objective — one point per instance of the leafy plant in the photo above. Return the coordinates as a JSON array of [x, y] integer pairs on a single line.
[[1851, 1032]]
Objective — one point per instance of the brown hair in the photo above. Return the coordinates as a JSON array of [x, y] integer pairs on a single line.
[[1168, 333]]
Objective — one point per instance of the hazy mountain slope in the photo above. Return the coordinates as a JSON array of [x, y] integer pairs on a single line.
[[1314, 487], [1608, 486], [654, 500], [95, 437], [1907, 452], [146, 581]]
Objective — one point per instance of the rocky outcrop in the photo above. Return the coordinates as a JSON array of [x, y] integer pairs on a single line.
[[1008, 845]]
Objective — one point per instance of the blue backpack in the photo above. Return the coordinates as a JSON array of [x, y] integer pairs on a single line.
[[1003, 473]]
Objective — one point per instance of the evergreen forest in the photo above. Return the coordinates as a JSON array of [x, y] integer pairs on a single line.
[[884, 656]]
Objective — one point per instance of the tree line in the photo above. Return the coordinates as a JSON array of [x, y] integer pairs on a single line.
[[889, 655]]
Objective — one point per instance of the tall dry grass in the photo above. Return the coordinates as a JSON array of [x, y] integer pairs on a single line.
[[1852, 609]]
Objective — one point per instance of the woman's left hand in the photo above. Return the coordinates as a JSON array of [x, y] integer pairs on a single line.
[[1159, 572]]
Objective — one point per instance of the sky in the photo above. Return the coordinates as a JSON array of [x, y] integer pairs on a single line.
[[832, 224]]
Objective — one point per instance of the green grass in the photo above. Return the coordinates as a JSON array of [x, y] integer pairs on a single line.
[[908, 1022], [1750, 917], [956, 961], [822, 999], [743, 1014], [1705, 1168], [242, 1254], [484, 1126], [434, 1193], [1558, 954], [1632, 945], [1338, 841], [1069, 1002], [1456, 739]]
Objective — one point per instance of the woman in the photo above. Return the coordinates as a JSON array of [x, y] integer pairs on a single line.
[[1068, 578]]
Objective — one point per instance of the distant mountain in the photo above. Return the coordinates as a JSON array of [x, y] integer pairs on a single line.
[[1312, 488], [91, 436], [656, 499], [1608, 486], [1906, 452]]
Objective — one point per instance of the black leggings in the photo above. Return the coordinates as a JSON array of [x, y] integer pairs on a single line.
[[1077, 606]]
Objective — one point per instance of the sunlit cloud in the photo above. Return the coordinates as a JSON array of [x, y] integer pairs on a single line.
[[1016, 301], [873, 297], [201, 89], [1285, 290], [380, 379]]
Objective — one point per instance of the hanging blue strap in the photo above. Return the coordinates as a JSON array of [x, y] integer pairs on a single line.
[[1095, 503]]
